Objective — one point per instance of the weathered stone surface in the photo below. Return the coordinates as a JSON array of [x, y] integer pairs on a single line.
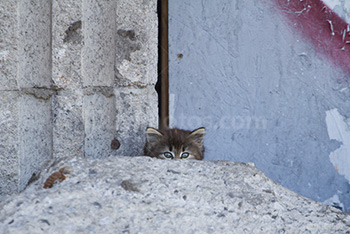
[[145, 195]]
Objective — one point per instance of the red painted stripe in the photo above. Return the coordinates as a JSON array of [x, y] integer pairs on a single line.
[[324, 28]]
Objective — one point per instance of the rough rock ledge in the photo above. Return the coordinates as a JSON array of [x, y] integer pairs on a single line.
[[145, 195]]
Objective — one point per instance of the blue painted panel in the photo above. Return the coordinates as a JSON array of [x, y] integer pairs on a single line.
[[259, 89]]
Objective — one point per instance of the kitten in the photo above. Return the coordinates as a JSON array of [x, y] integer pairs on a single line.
[[175, 143]]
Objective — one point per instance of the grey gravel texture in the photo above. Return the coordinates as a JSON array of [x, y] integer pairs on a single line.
[[144, 195]]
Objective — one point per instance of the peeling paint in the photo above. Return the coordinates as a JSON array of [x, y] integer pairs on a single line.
[[323, 24], [339, 129], [335, 202], [341, 7]]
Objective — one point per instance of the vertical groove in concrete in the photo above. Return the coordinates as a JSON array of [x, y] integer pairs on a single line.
[[98, 59], [34, 75]]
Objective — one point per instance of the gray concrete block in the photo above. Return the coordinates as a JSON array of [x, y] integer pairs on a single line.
[[136, 73], [66, 43], [98, 53], [25, 138], [35, 137], [8, 44], [9, 142], [136, 43], [68, 125], [136, 110], [99, 122], [34, 43]]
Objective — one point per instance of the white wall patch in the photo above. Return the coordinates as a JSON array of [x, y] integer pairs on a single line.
[[339, 129]]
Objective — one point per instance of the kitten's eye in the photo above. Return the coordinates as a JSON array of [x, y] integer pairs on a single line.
[[185, 155], [168, 155]]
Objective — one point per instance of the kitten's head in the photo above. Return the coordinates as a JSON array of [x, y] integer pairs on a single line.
[[175, 143]]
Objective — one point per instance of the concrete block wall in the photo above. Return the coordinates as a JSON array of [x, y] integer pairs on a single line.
[[75, 76], [25, 119]]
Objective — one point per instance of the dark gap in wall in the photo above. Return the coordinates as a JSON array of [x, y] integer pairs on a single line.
[[162, 85]]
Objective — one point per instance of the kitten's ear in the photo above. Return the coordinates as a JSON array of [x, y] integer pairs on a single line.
[[153, 135], [198, 135]]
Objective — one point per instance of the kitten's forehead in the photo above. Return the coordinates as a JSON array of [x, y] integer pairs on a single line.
[[183, 139], [176, 137]]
